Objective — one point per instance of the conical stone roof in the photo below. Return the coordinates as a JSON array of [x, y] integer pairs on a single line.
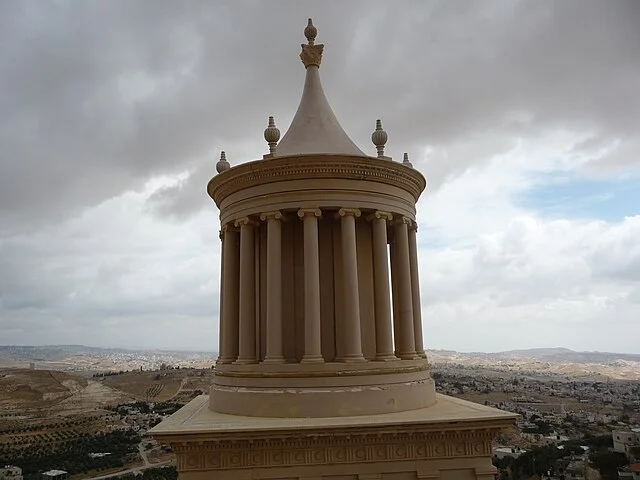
[[315, 128]]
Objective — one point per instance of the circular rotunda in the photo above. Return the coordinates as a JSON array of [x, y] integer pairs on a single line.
[[320, 298]]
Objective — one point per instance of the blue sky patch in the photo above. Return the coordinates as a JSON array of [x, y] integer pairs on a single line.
[[562, 195]]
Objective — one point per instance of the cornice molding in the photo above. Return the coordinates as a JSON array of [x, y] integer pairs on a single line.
[[388, 369], [315, 167]]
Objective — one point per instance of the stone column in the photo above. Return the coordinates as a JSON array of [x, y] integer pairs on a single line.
[[247, 308], [415, 290], [312, 327], [394, 294], [352, 338], [405, 301], [384, 340], [274, 287], [229, 294], [221, 301]]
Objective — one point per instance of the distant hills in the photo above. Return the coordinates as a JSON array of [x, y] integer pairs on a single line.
[[560, 354], [550, 361], [82, 358], [57, 350]]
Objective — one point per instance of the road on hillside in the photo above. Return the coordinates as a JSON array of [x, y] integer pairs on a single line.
[[132, 470], [143, 454]]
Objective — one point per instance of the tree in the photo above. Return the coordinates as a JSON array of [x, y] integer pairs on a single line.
[[608, 463]]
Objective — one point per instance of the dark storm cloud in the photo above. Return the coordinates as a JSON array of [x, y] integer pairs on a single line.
[[98, 97]]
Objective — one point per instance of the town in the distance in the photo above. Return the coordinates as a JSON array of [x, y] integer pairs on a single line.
[[82, 412]]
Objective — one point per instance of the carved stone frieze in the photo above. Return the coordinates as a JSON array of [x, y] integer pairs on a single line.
[[330, 449]]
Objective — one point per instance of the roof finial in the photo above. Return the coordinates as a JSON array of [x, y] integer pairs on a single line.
[[222, 164], [379, 138], [311, 53], [272, 135], [310, 32], [405, 160]]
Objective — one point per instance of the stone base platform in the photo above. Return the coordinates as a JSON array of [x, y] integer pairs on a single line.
[[322, 390], [448, 440]]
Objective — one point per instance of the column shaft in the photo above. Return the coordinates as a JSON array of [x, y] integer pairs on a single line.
[[247, 308], [230, 300], [221, 347], [312, 326], [394, 295], [415, 291], [405, 301], [274, 287], [384, 340], [352, 338]]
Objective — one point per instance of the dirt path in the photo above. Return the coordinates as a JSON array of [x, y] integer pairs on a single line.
[[143, 454], [183, 382], [131, 470]]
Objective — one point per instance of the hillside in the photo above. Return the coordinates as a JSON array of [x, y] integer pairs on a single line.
[[79, 358], [22, 389], [42, 388]]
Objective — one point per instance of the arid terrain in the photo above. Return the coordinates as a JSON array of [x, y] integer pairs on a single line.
[[64, 416], [548, 361], [543, 361], [55, 415]]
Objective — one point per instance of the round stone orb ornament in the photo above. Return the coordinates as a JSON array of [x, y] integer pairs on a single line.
[[379, 138], [222, 164], [272, 135], [310, 32]]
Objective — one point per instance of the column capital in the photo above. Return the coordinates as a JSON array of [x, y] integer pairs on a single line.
[[303, 212], [244, 221], [227, 227], [273, 215], [349, 212], [378, 214], [402, 219]]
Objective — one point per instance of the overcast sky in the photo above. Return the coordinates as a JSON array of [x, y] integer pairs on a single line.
[[523, 115]]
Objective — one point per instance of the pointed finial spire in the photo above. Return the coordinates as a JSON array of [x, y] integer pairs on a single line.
[[405, 160], [222, 164], [311, 53], [379, 138], [272, 135], [310, 32]]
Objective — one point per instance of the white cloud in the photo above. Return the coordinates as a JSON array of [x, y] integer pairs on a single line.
[[509, 277], [107, 235], [116, 275]]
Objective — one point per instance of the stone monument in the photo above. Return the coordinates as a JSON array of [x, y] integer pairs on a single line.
[[322, 372]]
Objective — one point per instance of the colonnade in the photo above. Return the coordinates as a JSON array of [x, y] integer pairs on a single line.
[[396, 336]]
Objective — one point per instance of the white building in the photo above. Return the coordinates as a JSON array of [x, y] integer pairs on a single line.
[[502, 452], [55, 475], [9, 472], [623, 440], [554, 439]]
